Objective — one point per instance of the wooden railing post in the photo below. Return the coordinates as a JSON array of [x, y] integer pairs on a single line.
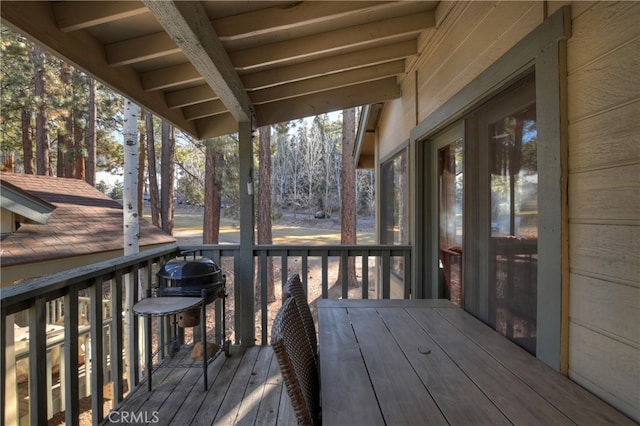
[[117, 338], [37, 362], [97, 350], [70, 365]]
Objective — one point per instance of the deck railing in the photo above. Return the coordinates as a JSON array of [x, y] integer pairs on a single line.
[[113, 286]]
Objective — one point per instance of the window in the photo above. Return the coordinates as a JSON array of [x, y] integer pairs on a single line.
[[394, 214], [394, 200]]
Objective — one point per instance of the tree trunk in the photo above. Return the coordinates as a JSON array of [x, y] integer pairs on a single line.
[[43, 167], [264, 208], [27, 142], [66, 162], [91, 169], [167, 177], [78, 150], [60, 154], [348, 182], [142, 149], [212, 195], [154, 198], [129, 192]]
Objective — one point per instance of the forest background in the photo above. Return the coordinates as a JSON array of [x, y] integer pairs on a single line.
[[57, 121]]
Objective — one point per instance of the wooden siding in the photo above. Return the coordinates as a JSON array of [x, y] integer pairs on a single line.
[[603, 87], [473, 36], [604, 202]]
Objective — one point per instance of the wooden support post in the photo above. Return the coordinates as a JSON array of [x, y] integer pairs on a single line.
[[244, 287]]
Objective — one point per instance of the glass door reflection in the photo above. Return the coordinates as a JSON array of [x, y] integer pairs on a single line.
[[450, 196]]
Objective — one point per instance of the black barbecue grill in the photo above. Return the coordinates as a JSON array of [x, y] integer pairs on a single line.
[[189, 277], [184, 289]]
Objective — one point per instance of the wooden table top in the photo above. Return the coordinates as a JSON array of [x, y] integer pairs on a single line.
[[415, 362]]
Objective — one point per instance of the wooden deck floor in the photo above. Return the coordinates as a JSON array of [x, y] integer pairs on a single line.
[[244, 389]]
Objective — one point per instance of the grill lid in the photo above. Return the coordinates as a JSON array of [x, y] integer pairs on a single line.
[[188, 269]]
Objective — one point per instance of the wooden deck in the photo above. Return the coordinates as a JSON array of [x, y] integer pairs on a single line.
[[244, 389]]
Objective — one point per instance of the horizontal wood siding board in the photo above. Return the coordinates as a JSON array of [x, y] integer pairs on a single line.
[[608, 251], [499, 75], [576, 402], [607, 307], [606, 140], [458, 398], [486, 42], [607, 83], [607, 194], [598, 29], [592, 367], [344, 362]]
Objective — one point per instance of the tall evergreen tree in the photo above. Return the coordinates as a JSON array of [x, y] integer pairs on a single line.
[[91, 167], [264, 206], [154, 195], [348, 183], [43, 166], [214, 159], [167, 178]]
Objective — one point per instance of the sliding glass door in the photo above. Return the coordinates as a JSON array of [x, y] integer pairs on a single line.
[[483, 216], [503, 210]]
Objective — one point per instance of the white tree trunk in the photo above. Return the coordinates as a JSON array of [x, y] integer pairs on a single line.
[[130, 190], [131, 221]]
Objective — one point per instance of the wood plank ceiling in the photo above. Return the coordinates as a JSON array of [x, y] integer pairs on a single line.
[[205, 66]]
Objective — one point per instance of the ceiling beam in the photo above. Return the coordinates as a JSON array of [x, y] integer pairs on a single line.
[[193, 95], [327, 82], [314, 45], [301, 14], [172, 76], [318, 67], [204, 109], [188, 25], [140, 49], [331, 100], [177, 75], [218, 125], [76, 15]]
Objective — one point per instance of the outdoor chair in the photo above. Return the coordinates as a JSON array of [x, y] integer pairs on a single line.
[[297, 363], [293, 288]]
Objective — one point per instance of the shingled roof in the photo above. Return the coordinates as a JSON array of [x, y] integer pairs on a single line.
[[85, 221]]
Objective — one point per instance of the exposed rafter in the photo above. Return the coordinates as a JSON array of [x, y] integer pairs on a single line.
[[328, 65], [331, 100], [75, 15], [314, 45], [275, 19], [331, 81], [187, 24], [206, 65]]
